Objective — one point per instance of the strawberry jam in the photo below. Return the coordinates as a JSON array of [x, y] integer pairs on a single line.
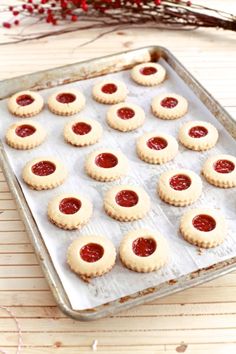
[[169, 102], [157, 143], [144, 247], [198, 132], [224, 166], [25, 130], [109, 88], [148, 70], [65, 98], [24, 100], [43, 168], [180, 182], [125, 113], [69, 205], [81, 128], [204, 223], [106, 160], [126, 198], [91, 252]]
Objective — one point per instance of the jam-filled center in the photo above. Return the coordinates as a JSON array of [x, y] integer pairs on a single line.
[[224, 166], [144, 247], [127, 198], [169, 102], [148, 70], [157, 143], [43, 168], [91, 252], [24, 100], [109, 88], [204, 223], [81, 128], [125, 113], [106, 160], [180, 182], [66, 97], [25, 130], [198, 132], [69, 205]]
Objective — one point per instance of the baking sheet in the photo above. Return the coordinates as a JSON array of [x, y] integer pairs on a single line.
[[184, 258]]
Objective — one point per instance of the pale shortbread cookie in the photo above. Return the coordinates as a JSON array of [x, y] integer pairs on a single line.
[[198, 135], [66, 102], [44, 173], [106, 165], [110, 91], [148, 74], [203, 227], [91, 256], [179, 187], [69, 211], [143, 250], [156, 147], [125, 116], [169, 106], [220, 170], [126, 203], [25, 134], [25, 104], [82, 132]]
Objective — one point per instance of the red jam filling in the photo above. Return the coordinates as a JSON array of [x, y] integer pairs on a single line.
[[109, 88], [144, 247], [148, 70], [224, 166], [198, 132], [65, 97], [204, 223], [25, 130], [43, 168], [81, 128], [180, 182], [125, 113], [126, 198], [91, 252], [157, 143], [24, 100], [169, 102], [69, 205], [106, 160]]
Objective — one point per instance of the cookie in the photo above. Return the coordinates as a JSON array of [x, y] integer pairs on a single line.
[[106, 165], [44, 173], [69, 211], [25, 135], [148, 74], [179, 187], [110, 91], [25, 104], [125, 117], [220, 170], [198, 135], [91, 256], [169, 106], [82, 132], [156, 147], [143, 250], [203, 227], [126, 203], [66, 102]]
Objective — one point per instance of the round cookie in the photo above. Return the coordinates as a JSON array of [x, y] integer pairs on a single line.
[[220, 170], [169, 106], [203, 227], [143, 250], [66, 102], [198, 135], [91, 256], [126, 203], [110, 91], [148, 74], [69, 211], [106, 165], [25, 104], [44, 173], [179, 187], [82, 132], [125, 117], [25, 134], [156, 148]]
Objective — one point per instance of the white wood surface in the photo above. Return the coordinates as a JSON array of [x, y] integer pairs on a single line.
[[196, 321]]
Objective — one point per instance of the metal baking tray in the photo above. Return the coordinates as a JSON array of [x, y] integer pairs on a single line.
[[81, 71]]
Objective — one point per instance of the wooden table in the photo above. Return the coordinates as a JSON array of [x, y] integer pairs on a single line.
[[198, 320]]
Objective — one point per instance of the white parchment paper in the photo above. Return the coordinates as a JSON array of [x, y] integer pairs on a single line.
[[184, 257]]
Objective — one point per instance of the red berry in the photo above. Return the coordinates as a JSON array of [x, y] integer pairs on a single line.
[[6, 25], [15, 13], [74, 18], [41, 10], [188, 3], [24, 7], [10, 8], [16, 22]]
